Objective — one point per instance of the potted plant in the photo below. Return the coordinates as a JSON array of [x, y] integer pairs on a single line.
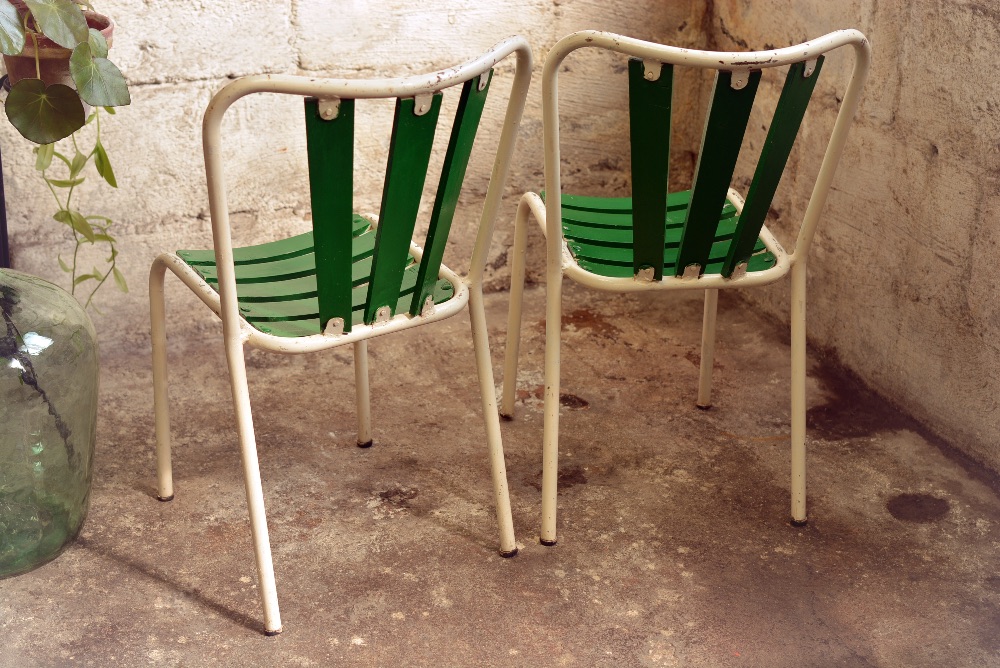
[[60, 80], [57, 65]]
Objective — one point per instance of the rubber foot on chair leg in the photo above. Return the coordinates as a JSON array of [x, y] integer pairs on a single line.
[[506, 418], [703, 408], [164, 498], [366, 444], [272, 633], [509, 554], [547, 543], [799, 523]]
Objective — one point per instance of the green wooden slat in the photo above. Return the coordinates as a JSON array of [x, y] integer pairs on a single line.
[[615, 220], [306, 326], [623, 254], [300, 244], [622, 237], [330, 147], [649, 133], [679, 199], [724, 130], [781, 135], [291, 267], [409, 154], [456, 160], [622, 268]]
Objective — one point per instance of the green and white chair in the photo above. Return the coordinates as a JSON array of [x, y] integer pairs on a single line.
[[708, 238], [351, 278]]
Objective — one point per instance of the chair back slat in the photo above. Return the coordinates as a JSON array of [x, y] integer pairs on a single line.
[[649, 133], [330, 147], [409, 155], [463, 135], [781, 135], [720, 147]]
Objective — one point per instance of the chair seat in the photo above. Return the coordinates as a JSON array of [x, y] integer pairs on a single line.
[[276, 281], [598, 232]]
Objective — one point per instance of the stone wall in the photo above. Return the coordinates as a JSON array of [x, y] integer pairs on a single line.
[[902, 268], [901, 277], [177, 54]]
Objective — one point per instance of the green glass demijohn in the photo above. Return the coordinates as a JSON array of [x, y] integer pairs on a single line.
[[48, 413]]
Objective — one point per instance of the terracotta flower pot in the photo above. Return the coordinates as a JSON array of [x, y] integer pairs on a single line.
[[53, 60]]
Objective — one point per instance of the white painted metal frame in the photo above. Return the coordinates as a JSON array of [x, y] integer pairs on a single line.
[[237, 332], [560, 262]]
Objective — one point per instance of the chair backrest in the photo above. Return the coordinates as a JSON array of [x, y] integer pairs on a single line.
[[738, 75], [331, 149], [330, 122]]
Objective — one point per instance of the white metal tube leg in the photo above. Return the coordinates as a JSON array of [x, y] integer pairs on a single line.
[[514, 314], [707, 349], [363, 392], [161, 408], [798, 387], [484, 366], [255, 493], [550, 426]]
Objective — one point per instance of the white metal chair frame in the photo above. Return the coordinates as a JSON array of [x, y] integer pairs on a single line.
[[237, 332], [560, 262]]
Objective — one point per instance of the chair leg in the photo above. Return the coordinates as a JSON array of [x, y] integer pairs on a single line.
[[707, 349], [161, 408], [798, 391], [363, 394], [254, 491], [550, 426], [484, 367], [514, 314]]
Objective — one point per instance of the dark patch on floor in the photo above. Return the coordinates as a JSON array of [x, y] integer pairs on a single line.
[[586, 319], [853, 398], [569, 476], [922, 508], [852, 410], [565, 398], [398, 496]]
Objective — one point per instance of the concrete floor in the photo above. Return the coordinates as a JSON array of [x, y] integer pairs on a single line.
[[675, 549]]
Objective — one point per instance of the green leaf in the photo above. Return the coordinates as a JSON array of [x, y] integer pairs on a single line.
[[110, 110], [98, 45], [120, 280], [83, 278], [62, 265], [11, 30], [79, 162], [44, 114], [107, 238], [62, 21], [75, 220], [43, 156], [100, 83], [66, 183], [104, 165]]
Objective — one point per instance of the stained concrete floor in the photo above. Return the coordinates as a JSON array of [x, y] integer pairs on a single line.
[[675, 549]]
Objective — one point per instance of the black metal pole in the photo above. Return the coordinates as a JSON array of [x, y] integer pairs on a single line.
[[4, 242]]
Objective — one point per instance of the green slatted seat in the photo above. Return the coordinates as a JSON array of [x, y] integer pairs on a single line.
[[276, 282], [599, 234], [708, 238], [349, 279]]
